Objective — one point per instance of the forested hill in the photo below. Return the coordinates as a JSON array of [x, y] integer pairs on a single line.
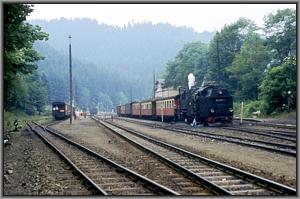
[[132, 48], [131, 52]]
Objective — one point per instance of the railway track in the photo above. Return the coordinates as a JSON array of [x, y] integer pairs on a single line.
[[268, 124], [217, 177], [140, 161], [287, 149], [283, 135], [104, 176]]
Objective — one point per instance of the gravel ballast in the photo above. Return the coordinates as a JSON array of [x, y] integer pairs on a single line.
[[274, 166]]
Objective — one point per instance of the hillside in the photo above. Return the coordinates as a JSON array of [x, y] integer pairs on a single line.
[[131, 52]]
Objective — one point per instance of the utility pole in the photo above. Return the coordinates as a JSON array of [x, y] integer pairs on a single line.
[[130, 94], [153, 83], [71, 93], [218, 59], [289, 103]]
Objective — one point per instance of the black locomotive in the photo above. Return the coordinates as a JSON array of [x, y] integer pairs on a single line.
[[207, 104]]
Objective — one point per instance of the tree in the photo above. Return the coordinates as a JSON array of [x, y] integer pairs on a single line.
[[38, 93], [105, 103], [191, 59], [247, 69], [223, 48], [280, 30], [277, 84], [278, 88], [19, 56], [84, 97], [30, 94]]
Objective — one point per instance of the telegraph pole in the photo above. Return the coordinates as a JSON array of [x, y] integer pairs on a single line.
[[130, 94], [153, 83], [71, 93], [218, 59]]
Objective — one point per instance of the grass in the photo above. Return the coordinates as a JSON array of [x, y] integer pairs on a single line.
[[284, 115], [9, 118]]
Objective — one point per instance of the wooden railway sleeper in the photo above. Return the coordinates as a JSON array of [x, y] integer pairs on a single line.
[[238, 187], [216, 173], [251, 191], [226, 177], [228, 182]]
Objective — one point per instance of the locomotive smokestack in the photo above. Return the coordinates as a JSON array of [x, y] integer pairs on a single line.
[[191, 79]]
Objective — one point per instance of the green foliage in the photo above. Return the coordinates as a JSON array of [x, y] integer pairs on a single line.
[[191, 59], [38, 93], [22, 89], [9, 119], [247, 69], [223, 48], [88, 80], [280, 29], [22, 117], [29, 94], [111, 59], [276, 85], [18, 40], [249, 108], [257, 69]]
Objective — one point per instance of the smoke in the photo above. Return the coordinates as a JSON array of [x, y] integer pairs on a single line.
[[191, 79]]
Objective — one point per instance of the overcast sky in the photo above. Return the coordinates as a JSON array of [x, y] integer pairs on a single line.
[[198, 16]]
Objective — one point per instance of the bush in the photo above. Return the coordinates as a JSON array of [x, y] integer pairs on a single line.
[[249, 108], [10, 117]]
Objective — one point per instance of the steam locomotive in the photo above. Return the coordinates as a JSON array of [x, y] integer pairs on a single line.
[[205, 105]]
